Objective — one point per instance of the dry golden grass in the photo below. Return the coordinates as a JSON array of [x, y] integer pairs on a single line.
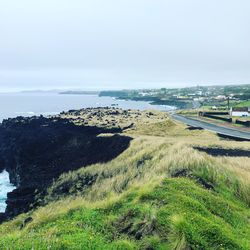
[[158, 149], [113, 117]]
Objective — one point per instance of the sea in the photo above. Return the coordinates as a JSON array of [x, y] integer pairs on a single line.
[[50, 103]]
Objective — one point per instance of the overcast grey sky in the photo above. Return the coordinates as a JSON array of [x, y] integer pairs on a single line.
[[123, 43]]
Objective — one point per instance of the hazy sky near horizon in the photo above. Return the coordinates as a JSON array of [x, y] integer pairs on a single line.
[[109, 44]]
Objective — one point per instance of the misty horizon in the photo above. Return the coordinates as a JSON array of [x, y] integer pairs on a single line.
[[56, 90], [123, 45]]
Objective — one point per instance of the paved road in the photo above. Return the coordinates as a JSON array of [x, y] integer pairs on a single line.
[[212, 127]]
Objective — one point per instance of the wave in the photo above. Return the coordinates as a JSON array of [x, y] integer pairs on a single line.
[[5, 187]]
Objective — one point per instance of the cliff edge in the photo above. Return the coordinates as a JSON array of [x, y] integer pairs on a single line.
[[37, 150]]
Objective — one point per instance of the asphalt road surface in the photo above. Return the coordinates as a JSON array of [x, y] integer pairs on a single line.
[[212, 127]]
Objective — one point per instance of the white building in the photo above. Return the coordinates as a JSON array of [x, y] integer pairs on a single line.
[[220, 97], [241, 111]]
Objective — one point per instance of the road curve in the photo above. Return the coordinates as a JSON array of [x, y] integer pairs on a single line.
[[212, 127]]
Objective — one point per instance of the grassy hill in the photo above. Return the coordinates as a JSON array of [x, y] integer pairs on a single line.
[[243, 104], [161, 193]]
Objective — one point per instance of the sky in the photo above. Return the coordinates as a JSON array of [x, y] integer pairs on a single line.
[[117, 44]]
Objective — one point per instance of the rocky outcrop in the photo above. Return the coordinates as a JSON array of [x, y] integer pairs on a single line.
[[36, 150]]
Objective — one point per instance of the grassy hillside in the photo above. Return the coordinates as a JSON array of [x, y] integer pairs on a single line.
[[160, 193], [243, 104]]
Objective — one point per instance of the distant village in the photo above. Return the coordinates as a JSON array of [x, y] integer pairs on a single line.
[[235, 99]]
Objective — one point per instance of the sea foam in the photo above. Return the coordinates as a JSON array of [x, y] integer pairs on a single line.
[[5, 187]]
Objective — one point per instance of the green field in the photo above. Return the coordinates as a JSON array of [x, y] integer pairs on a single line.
[[243, 104]]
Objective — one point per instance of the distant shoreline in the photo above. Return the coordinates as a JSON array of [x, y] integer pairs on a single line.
[[72, 92]]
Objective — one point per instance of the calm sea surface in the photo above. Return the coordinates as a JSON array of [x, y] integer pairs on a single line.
[[12, 105], [27, 104]]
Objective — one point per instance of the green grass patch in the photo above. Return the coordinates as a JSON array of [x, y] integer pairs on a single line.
[[243, 104], [177, 214]]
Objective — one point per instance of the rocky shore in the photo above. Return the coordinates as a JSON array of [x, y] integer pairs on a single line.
[[37, 150]]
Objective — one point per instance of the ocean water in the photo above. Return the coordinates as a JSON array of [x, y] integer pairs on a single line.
[[29, 104], [5, 187]]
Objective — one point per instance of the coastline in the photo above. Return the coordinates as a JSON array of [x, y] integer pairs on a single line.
[[68, 140], [26, 101], [91, 164], [30, 104], [153, 100]]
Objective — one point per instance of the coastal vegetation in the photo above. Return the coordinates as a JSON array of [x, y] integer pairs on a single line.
[[155, 97], [172, 188]]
